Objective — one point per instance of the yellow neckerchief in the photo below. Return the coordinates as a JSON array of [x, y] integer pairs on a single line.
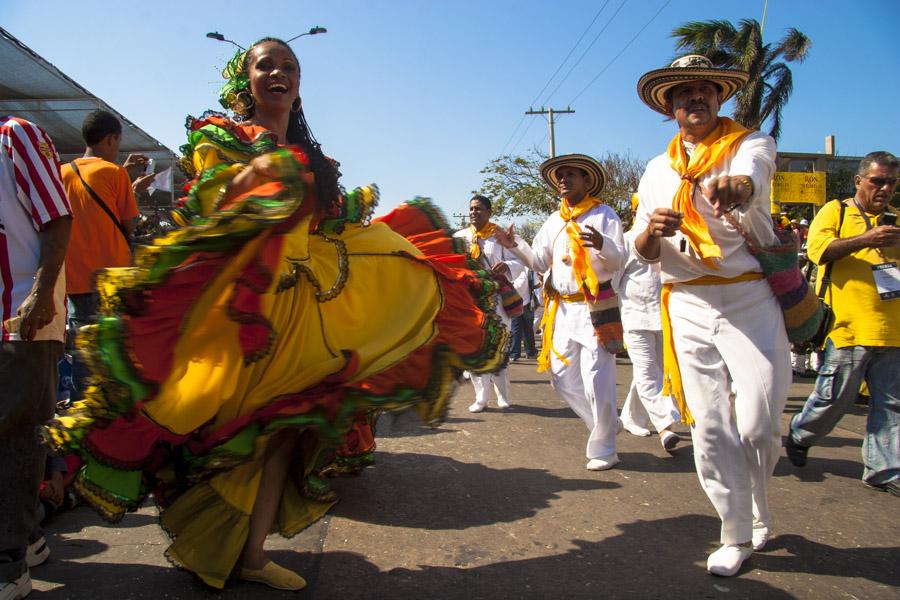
[[584, 275], [671, 372], [480, 234], [716, 147], [581, 264]]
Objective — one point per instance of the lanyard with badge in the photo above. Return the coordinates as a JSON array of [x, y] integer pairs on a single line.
[[886, 274]]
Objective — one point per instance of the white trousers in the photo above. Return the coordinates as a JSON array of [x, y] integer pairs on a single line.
[[483, 383], [728, 334], [588, 385], [645, 403]]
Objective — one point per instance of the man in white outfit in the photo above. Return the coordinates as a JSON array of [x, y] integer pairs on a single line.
[[577, 250], [638, 287], [493, 257], [723, 328]]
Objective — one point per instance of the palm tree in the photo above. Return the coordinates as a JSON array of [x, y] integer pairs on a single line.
[[770, 84]]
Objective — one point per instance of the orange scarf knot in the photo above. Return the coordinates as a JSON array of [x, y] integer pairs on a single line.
[[715, 148], [480, 234], [581, 263]]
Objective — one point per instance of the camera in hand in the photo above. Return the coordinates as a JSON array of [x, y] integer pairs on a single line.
[[888, 219]]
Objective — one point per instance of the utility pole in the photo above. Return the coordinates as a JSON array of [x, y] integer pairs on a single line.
[[550, 112]]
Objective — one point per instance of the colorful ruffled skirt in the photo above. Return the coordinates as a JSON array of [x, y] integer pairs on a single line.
[[259, 318]]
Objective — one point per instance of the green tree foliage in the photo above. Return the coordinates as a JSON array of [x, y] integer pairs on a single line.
[[515, 187], [770, 84]]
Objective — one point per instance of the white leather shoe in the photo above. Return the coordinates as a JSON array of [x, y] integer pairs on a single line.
[[727, 560], [635, 429], [603, 463], [476, 407], [669, 440], [760, 537], [502, 403]]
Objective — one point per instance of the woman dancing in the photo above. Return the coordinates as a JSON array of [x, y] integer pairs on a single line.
[[238, 352]]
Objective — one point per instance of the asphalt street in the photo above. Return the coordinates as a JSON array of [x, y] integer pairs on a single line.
[[499, 505]]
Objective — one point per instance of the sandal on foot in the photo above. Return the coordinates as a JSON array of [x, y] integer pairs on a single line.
[[274, 576]]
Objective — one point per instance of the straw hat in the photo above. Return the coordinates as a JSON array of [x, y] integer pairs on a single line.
[[594, 171], [652, 87]]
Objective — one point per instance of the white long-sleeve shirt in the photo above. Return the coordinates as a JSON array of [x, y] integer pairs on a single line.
[[638, 286], [546, 253], [755, 157], [493, 254]]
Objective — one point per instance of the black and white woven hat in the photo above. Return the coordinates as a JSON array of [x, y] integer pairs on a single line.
[[594, 171], [652, 87]]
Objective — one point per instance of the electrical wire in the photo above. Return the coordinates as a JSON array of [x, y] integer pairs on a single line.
[[621, 52], [558, 69], [583, 54]]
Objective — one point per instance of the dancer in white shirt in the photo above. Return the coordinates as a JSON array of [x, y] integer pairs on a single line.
[[484, 248], [638, 287], [577, 250], [723, 328]]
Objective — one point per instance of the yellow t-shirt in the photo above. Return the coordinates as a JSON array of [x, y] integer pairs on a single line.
[[862, 318]]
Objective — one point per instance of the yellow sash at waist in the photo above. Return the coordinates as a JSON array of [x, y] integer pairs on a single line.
[[716, 280], [576, 297]]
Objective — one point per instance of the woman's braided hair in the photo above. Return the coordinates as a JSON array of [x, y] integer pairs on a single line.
[[236, 96]]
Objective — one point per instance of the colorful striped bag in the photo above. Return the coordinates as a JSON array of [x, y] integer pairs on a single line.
[[606, 319], [802, 308]]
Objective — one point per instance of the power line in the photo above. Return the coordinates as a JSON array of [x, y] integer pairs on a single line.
[[558, 69], [521, 137], [621, 52], [551, 112], [597, 37]]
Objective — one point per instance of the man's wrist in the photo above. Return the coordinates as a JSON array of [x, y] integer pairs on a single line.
[[745, 184]]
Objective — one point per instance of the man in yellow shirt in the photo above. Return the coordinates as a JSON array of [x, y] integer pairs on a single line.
[[859, 237]]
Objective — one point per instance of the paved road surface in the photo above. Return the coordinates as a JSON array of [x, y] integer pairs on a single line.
[[499, 505]]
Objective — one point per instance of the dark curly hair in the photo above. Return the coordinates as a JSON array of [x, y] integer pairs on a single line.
[[325, 169]]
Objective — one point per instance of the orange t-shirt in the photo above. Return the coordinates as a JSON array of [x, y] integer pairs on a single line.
[[95, 241]]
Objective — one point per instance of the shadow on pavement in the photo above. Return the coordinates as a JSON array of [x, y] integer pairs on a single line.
[[436, 492], [560, 412], [816, 469], [631, 564], [628, 565], [680, 461], [806, 556]]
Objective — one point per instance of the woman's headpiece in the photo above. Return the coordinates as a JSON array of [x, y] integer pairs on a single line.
[[235, 94]]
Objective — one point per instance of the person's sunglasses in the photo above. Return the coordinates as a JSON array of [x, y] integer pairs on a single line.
[[882, 181]]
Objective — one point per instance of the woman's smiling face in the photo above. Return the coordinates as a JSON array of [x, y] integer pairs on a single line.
[[274, 76]]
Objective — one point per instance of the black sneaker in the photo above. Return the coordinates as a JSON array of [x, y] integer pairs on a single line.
[[795, 453], [891, 487]]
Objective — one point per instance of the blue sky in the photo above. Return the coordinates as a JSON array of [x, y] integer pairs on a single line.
[[418, 96]]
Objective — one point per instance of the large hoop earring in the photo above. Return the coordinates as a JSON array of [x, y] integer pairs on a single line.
[[297, 105], [242, 104]]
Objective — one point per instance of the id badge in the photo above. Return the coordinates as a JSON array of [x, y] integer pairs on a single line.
[[887, 280]]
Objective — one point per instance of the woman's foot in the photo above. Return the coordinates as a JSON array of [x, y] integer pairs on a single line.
[[274, 576]]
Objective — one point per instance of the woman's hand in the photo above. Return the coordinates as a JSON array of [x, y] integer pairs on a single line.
[[260, 170]]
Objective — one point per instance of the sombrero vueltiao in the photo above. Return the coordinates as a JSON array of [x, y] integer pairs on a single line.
[[652, 87], [581, 161]]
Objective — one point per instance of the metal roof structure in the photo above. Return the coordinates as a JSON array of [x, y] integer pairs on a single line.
[[34, 89]]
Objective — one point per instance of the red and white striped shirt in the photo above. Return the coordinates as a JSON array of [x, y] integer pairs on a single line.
[[31, 195]]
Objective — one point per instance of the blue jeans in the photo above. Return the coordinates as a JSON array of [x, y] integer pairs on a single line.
[[85, 311], [842, 372], [523, 330]]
